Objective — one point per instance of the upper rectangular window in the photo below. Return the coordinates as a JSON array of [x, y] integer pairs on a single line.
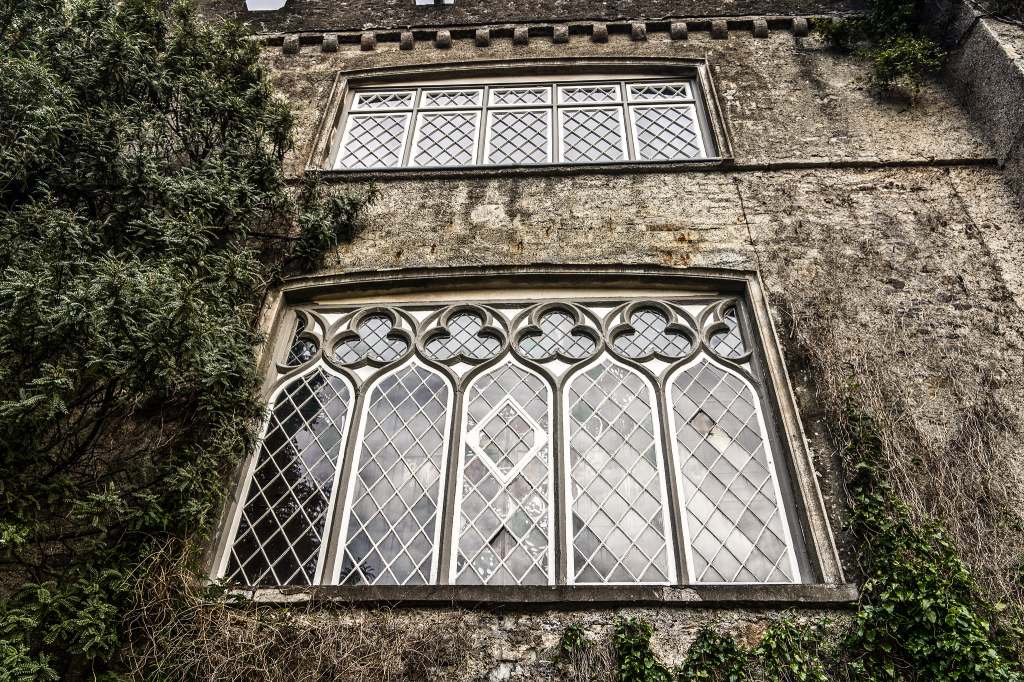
[[523, 123], [582, 438]]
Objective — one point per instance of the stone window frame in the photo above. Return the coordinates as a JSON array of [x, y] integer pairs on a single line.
[[713, 124], [824, 583]]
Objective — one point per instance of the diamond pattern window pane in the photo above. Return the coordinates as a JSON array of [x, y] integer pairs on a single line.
[[451, 98], [446, 139], [587, 94], [618, 525], [375, 340], [393, 509], [655, 92], [374, 140], [519, 137], [302, 349], [729, 343], [556, 337], [504, 531], [651, 336], [463, 338], [592, 134], [737, 532], [667, 133], [282, 522], [520, 96], [384, 100]]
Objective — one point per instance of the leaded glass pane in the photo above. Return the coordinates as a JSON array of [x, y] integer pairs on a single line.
[[463, 337], [383, 100], [556, 337], [593, 134], [394, 501], [374, 140], [282, 521], [302, 349], [451, 98], [655, 92], [375, 341], [618, 531], [651, 336], [587, 94], [520, 96], [736, 527], [519, 136], [504, 528], [729, 342], [667, 133], [446, 139]]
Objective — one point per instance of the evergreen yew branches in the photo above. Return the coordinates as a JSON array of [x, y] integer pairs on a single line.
[[142, 213]]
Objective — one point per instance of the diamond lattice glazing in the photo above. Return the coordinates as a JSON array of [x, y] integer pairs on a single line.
[[666, 133], [446, 139], [463, 338], [384, 100], [659, 92], [519, 137], [519, 96], [375, 340], [374, 141], [504, 514], [393, 516], [586, 94], [282, 522], [302, 349], [618, 523], [729, 342], [451, 98], [556, 337], [736, 529], [592, 135], [651, 336]]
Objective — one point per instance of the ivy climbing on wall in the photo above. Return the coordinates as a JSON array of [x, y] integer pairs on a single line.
[[143, 212], [901, 57]]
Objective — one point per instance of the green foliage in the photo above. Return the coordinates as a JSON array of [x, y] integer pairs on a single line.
[[574, 638], [921, 615], [790, 654], [714, 658], [887, 35], [142, 213], [636, 662]]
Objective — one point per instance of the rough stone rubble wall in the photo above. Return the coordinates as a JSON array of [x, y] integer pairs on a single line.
[[904, 215]]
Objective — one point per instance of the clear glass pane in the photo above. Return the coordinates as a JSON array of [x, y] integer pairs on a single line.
[[505, 500], [592, 135], [282, 521], [464, 338], [736, 528], [519, 137], [446, 139], [390, 535], [651, 336], [618, 524], [556, 336], [373, 141], [667, 133], [729, 342]]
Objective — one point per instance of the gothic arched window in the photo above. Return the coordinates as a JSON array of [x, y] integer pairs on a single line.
[[560, 437]]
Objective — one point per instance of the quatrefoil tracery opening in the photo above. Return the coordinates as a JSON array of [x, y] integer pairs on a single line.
[[557, 333], [374, 337], [464, 334], [647, 333]]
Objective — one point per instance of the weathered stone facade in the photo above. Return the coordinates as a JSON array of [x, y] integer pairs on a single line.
[[895, 214]]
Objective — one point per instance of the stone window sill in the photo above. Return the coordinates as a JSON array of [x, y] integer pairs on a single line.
[[775, 596]]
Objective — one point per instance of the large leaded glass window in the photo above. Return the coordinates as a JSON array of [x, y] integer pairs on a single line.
[[581, 440], [510, 122]]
